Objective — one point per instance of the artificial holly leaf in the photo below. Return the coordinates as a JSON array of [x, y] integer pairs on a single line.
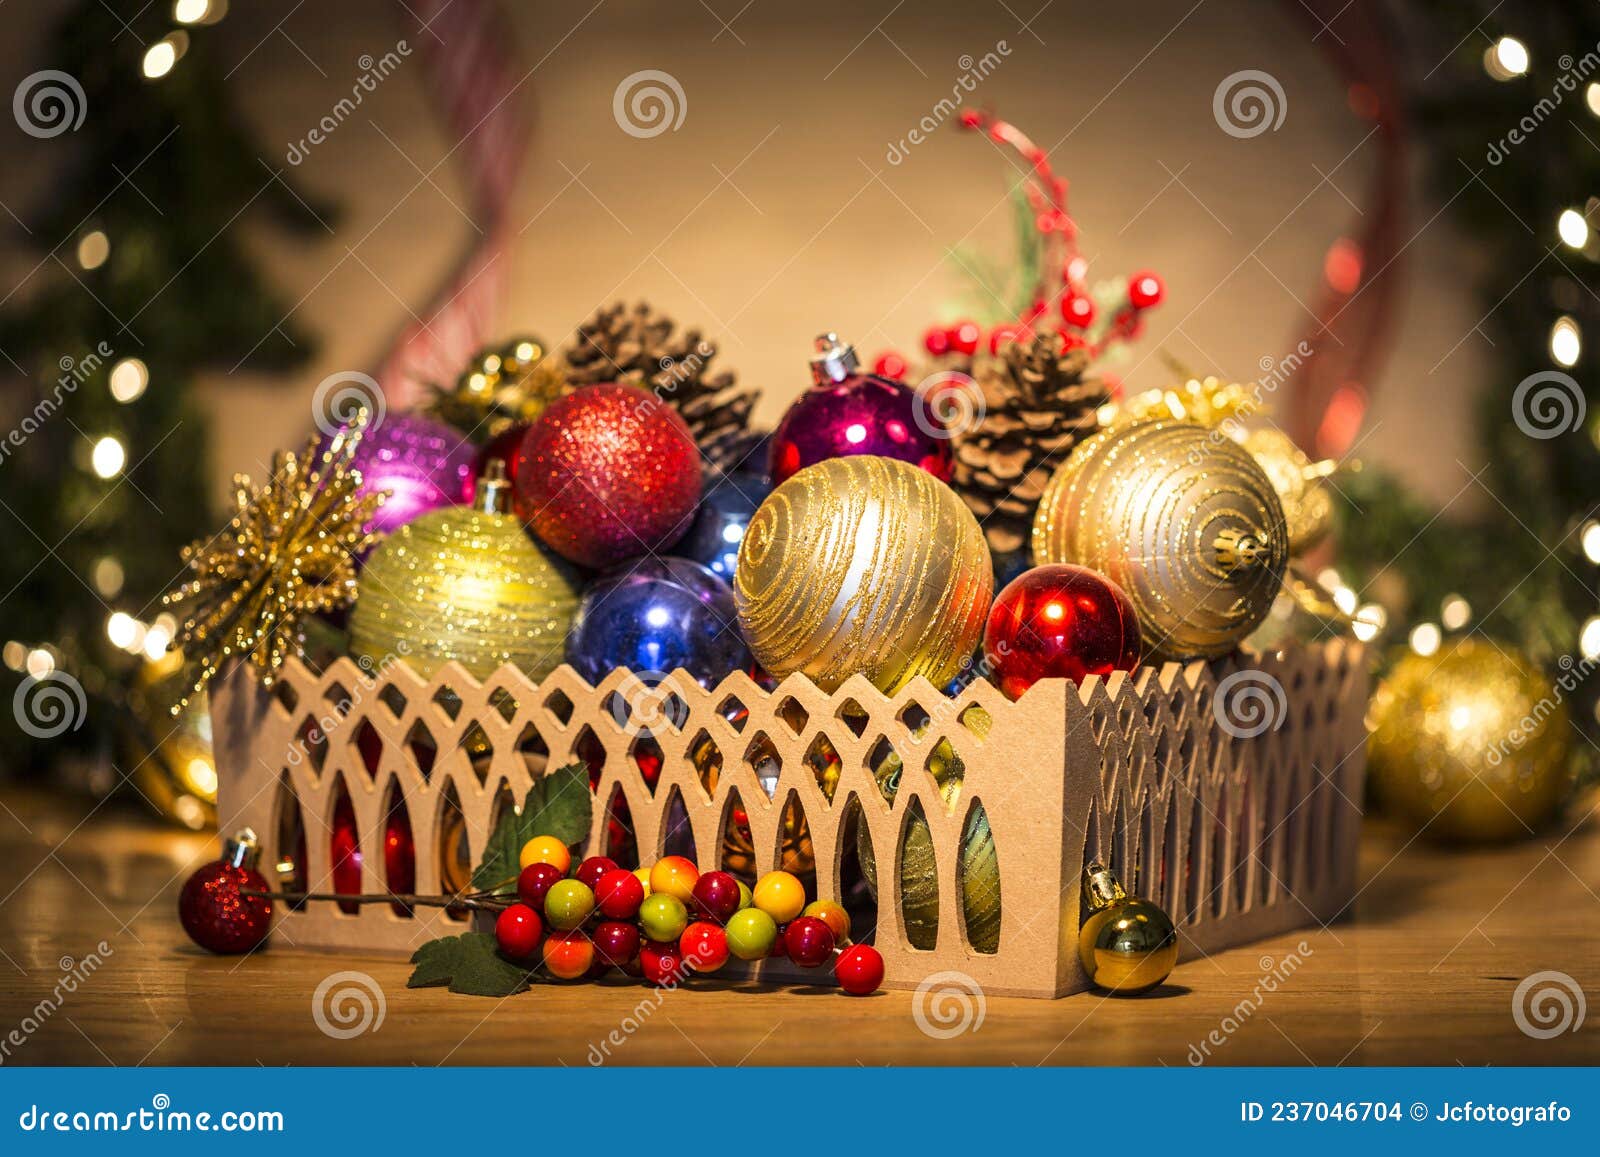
[[469, 964], [558, 804]]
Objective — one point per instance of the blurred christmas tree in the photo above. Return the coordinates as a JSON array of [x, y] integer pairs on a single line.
[[1510, 116], [142, 282]]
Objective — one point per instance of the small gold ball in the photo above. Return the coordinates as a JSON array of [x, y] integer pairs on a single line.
[[1305, 495], [1128, 947]]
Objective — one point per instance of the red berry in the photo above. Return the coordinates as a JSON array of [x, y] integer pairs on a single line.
[[517, 931], [1077, 310], [778, 946], [971, 118], [590, 871], [704, 946], [859, 970], [891, 365], [1038, 309], [937, 341], [1145, 289], [1003, 335], [964, 337], [716, 896], [808, 941], [615, 942], [535, 881], [662, 964], [618, 894]]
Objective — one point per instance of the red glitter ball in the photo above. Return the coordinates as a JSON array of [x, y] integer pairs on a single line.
[[1059, 622], [607, 473], [217, 917]]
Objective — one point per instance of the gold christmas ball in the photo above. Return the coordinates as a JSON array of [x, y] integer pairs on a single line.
[[469, 585], [1128, 945], [863, 564], [1179, 516], [1470, 744], [1300, 483]]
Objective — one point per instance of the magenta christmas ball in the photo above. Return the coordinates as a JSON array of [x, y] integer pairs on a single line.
[[423, 463]]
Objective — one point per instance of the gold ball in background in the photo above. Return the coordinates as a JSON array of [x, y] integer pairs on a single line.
[[1179, 516], [1300, 483], [863, 564], [466, 585], [1470, 744]]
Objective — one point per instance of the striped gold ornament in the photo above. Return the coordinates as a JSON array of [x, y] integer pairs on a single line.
[[1183, 519], [863, 564], [469, 585]]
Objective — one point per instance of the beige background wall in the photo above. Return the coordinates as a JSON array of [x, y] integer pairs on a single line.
[[773, 213]]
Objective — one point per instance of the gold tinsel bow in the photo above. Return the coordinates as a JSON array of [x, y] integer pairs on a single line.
[[289, 552]]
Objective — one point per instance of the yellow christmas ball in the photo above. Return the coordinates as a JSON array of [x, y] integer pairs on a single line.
[[1181, 518], [469, 585], [863, 564], [1470, 744], [1300, 483]]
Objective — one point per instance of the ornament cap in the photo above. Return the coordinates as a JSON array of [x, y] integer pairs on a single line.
[[1242, 550], [242, 849], [1101, 888], [493, 495], [835, 360]]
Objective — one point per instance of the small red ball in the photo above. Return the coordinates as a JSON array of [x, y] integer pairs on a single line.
[[891, 365], [808, 941], [590, 871], [1003, 335], [1077, 310], [704, 946], [662, 964], [607, 473], [618, 894], [504, 446], [1059, 622], [217, 917], [616, 942], [535, 881], [936, 341], [716, 896], [859, 970], [1145, 290], [517, 931], [964, 337]]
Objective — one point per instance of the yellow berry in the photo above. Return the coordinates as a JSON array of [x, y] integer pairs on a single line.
[[546, 850], [780, 895], [644, 878], [674, 875]]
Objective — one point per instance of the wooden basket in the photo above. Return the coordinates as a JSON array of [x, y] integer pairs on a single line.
[[1238, 835]]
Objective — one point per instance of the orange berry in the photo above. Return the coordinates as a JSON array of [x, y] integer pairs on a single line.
[[676, 876], [780, 895], [833, 915], [545, 850], [568, 955]]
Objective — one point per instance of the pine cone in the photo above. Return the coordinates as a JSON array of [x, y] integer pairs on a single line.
[[637, 345], [1038, 405]]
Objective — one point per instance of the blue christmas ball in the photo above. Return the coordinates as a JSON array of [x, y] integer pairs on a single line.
[[725, 512], [653, 616]]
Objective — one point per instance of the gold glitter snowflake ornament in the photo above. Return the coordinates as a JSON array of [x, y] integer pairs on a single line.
[[290, 551]]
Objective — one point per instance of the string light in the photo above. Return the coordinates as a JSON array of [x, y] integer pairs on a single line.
[[1566, 342], [109, 457], [108, 576], [1368, 622], [121, 629], [199, 11], [93, 249], [15, 655], [163, 54], [129, 377], [1591, 541], [1455, 613], [1506, 59], [1589, 638], [39, 663], [1425, 639], [1573, 229], [1591, 96]]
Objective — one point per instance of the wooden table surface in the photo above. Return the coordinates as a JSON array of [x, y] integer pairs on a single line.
[[1422, 971]]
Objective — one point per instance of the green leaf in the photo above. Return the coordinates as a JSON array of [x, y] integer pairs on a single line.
[[470, 965], [558, 804]]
